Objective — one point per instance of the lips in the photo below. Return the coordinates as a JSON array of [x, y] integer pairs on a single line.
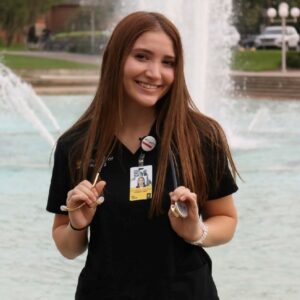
[[148, 86]]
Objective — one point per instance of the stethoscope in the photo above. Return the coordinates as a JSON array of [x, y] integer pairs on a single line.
[[147, 143], [99, 201], [179, 208]]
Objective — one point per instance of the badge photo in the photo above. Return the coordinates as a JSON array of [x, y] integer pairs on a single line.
[[140, 183]]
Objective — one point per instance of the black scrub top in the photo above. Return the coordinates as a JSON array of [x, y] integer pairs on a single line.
[[129, 255]]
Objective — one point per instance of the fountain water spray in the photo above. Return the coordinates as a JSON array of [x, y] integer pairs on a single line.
[[18, 96]]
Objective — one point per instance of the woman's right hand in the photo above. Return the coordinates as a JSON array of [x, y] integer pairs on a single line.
[[84, 192]]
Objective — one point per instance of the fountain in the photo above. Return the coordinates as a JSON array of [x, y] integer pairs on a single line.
[[267, 157], [18, 96]]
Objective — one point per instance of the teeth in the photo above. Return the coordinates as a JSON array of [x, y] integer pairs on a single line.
[[147, 85]]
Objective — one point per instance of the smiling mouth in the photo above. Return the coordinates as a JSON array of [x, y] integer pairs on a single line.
[[148, 85]]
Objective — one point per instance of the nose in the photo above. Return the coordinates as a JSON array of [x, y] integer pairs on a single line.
[[153, 71]]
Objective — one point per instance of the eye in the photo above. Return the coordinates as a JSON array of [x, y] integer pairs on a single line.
[[169, 63], [141, 56]]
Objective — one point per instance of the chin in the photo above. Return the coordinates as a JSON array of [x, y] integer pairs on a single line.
[[150, 103], [144, 102]]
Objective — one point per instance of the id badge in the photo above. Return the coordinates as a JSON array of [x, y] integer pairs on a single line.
[[140, 183]]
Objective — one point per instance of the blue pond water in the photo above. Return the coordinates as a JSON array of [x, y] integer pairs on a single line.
[[262, 262]]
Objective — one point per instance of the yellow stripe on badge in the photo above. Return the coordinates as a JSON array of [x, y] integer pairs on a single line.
[[141, 193]]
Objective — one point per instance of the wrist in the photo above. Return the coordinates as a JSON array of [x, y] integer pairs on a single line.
[[198, 241], [76, 228]]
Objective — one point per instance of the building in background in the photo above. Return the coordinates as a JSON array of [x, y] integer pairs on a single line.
[[59, 15]]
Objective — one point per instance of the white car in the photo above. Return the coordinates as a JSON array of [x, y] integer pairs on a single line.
[[272, 37]]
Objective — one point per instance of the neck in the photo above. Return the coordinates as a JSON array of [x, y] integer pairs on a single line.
[[137, 122]]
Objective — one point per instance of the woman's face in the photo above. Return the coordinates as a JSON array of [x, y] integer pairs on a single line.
[[149, 69], [141, 181]]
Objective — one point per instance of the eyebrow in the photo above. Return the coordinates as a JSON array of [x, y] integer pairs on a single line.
[[150, 52]]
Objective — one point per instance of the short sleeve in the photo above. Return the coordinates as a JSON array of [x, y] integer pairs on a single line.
[[60, 181], [225, 184]]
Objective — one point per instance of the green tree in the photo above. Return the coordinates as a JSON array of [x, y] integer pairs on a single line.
[[250, 15], [15, 15], [99, 12], [275, 3]]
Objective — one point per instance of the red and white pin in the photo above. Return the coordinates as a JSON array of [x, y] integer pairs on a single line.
[[148, 143]]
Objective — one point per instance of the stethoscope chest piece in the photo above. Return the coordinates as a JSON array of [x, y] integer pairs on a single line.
[[179, 209]]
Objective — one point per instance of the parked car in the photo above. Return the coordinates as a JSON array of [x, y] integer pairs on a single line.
[[248, 41], [271, 37]]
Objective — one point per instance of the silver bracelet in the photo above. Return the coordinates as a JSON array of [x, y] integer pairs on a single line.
[[200, 241]]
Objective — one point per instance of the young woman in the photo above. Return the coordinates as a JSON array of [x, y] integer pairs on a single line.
[[141, 248], [140, 182]]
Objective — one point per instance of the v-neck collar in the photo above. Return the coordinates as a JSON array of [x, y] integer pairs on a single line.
[[139, 149]]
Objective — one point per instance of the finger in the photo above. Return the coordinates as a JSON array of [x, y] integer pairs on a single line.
[[194, 196], [180, 193], [76, 200], [187, 194], [190, 201], [73, 193], [172, 214], [99, 187], [180, 189], [192, 206], [188, 197], [86, 183], [70, 193], [90, 203], [171, 195], [84, 189]]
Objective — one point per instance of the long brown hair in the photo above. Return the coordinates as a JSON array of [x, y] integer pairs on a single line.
[[181, 127]]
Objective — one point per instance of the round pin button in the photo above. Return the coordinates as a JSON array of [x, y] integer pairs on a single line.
[[148, 143]]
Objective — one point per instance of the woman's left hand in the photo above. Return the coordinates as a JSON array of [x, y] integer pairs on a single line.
[[188, 228]]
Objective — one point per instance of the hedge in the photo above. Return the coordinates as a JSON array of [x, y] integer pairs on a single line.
[[293, 60], [78, 42]]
